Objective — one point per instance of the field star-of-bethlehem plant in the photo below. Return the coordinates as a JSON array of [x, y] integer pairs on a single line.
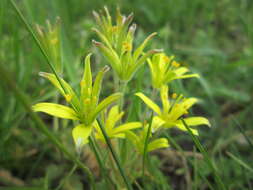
[[102, 122]]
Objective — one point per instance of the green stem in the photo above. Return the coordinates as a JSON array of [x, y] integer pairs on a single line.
[[69, 174], [100, 162], [122, 89], [146, 146], [55, 119], [23, 99], [115, 157]]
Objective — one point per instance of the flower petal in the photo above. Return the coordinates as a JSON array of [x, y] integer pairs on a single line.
[[193, 121], [126, 127], [149, 102], [113, 117], [104, 103], [68, 90], [158, 143], [56, 110], [165, 99], [157, 122], [183, 128], [80, 134], [140, 49]]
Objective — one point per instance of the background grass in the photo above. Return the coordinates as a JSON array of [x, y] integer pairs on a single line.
[[214, 38]]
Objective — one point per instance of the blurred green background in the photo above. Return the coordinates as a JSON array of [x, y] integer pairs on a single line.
[[214, 38]]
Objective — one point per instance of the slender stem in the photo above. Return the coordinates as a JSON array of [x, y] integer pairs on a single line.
[[146, 145], [122, 89], [115, 157], [23, 99], [69, 174], [206, 156], [100, 162], [55, 119]]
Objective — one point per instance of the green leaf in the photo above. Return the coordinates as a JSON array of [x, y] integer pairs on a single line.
[[149, 103], [56, 110], [80, 134]]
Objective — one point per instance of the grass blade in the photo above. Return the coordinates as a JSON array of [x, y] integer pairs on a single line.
[[240, 162], [206, 156]]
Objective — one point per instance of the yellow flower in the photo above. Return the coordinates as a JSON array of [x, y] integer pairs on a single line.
[[172, 110], [139, 140], [164, 70], [85, 108], [111, 129], [117, 44]]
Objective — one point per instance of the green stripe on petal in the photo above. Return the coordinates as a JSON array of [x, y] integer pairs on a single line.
[[149, 103], [56, 110]]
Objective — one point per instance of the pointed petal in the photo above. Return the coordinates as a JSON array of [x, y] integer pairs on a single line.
[[52, 78], [104, 103], [157, 122], [194, 121], [97, 85], [113, 117], [181, 70], [149, 103], [165, 98], [189, 102], [56, 110], [185, 76], [132, 137], [111, 56], [140, 49], [87, 76], [102, 37], [80, 134], [183, 128], [127, 127], [158, 143]]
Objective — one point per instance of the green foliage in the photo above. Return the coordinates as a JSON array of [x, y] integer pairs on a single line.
[[212, 38]]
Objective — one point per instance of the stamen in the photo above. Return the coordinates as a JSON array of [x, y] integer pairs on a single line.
[[54, 41], [175, 64], [174, 95], [127, 46], [68, 97]]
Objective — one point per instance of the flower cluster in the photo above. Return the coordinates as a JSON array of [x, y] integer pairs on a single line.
[[117, 47]]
